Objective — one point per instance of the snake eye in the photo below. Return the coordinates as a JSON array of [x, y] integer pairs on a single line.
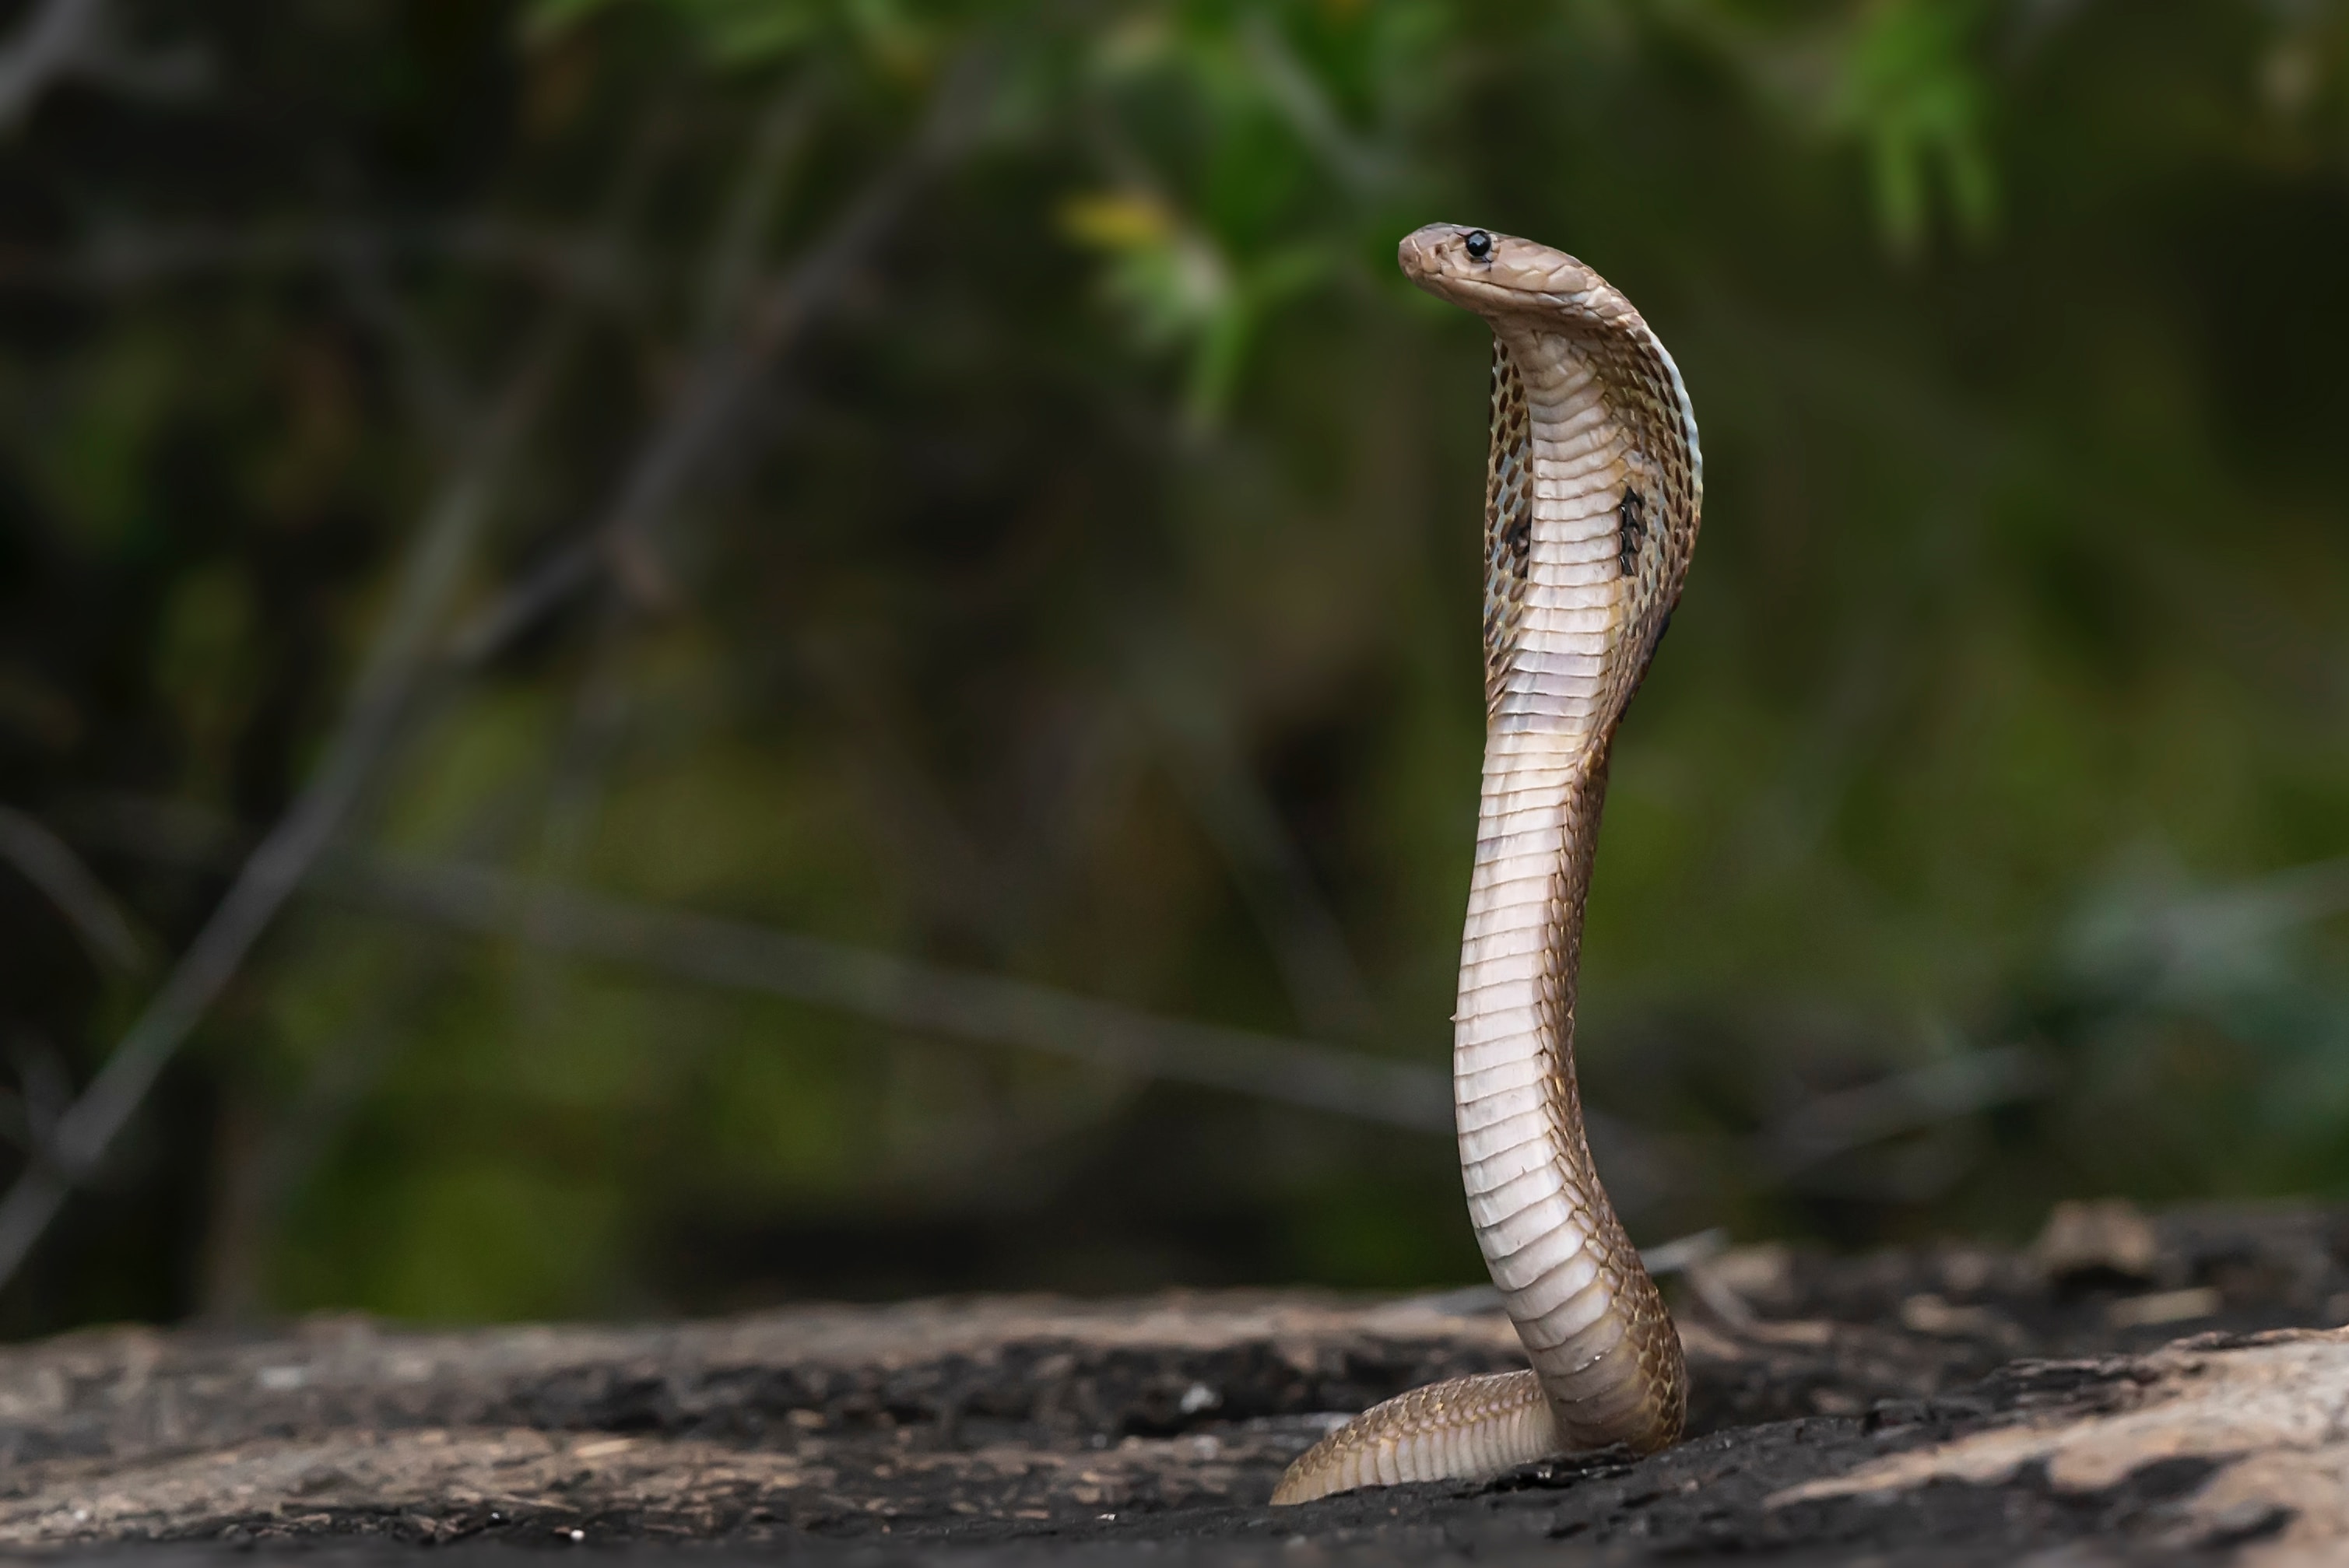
[[1479, 244]]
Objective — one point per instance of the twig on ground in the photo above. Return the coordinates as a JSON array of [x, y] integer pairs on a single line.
[[1685, 1253], [1735, 1313]]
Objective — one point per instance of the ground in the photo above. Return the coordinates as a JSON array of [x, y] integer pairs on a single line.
[[1952, 1404]]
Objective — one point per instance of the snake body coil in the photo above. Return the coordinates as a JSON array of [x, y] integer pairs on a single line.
[[1592, 494]]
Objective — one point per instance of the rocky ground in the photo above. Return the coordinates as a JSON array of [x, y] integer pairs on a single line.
[[2128, 1389]]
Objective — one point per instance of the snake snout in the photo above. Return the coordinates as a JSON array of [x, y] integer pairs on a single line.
[[1416, 254], [1471, 267], [1436, 249]]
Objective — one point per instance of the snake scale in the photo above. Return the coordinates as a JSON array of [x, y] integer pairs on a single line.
[[1592, 492]]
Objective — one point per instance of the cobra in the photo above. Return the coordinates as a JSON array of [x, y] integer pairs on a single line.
[[1592, 492]]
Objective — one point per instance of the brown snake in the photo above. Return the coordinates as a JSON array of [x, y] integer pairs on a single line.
[[1591, 497]]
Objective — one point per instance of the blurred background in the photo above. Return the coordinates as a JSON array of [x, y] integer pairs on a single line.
[[657, 655]]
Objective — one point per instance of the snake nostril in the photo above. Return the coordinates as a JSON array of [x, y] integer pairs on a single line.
[[1479, 245]]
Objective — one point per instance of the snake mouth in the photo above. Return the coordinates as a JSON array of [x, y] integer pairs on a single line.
[[1510, 276]]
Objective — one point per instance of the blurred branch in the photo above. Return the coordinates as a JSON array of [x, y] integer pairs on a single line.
[[985, 890], [1305, 103], [50, 43], [911, 994], [257, 1189], [425, 582], [601, 706], [1316, 963], [738, 955], [732, 268], [125, 258], [440, 406], [723, 382], [1905, 1102], [730, 271], [2201, 941], [902, 992], [49, 863], [28, 1118], [2150, 945], [65, 38], [260, 1189]]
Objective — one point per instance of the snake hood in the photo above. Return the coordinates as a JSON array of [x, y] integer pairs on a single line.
[[1531, 287], [1562, 332]]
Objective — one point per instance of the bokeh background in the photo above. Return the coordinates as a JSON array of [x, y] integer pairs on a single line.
[[657, 655]]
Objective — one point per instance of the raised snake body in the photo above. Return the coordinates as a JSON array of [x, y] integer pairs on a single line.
[[1593, 489]]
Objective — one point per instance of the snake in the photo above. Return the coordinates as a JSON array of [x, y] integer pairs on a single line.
[[1594, 483]]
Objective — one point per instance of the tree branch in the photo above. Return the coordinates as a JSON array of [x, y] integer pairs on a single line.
[[50, 46], [49, 864], [427, 581], [902, 991], [738, 955], [722, 381], [80, 38]]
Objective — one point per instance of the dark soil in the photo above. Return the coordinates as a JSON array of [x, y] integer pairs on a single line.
[[1011, 1430]]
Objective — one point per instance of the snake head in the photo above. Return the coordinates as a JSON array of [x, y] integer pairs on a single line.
[[1563, 334], [1498, 274]]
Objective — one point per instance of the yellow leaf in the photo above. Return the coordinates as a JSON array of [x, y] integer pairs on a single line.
[[1116, 220]]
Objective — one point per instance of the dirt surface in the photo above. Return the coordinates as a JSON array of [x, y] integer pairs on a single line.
[[1949, 1404]]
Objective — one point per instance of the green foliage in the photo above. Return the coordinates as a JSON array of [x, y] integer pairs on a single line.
[[1909, 90], [1090, 596]]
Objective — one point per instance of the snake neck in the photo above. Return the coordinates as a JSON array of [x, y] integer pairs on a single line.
[[1566, 645]]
